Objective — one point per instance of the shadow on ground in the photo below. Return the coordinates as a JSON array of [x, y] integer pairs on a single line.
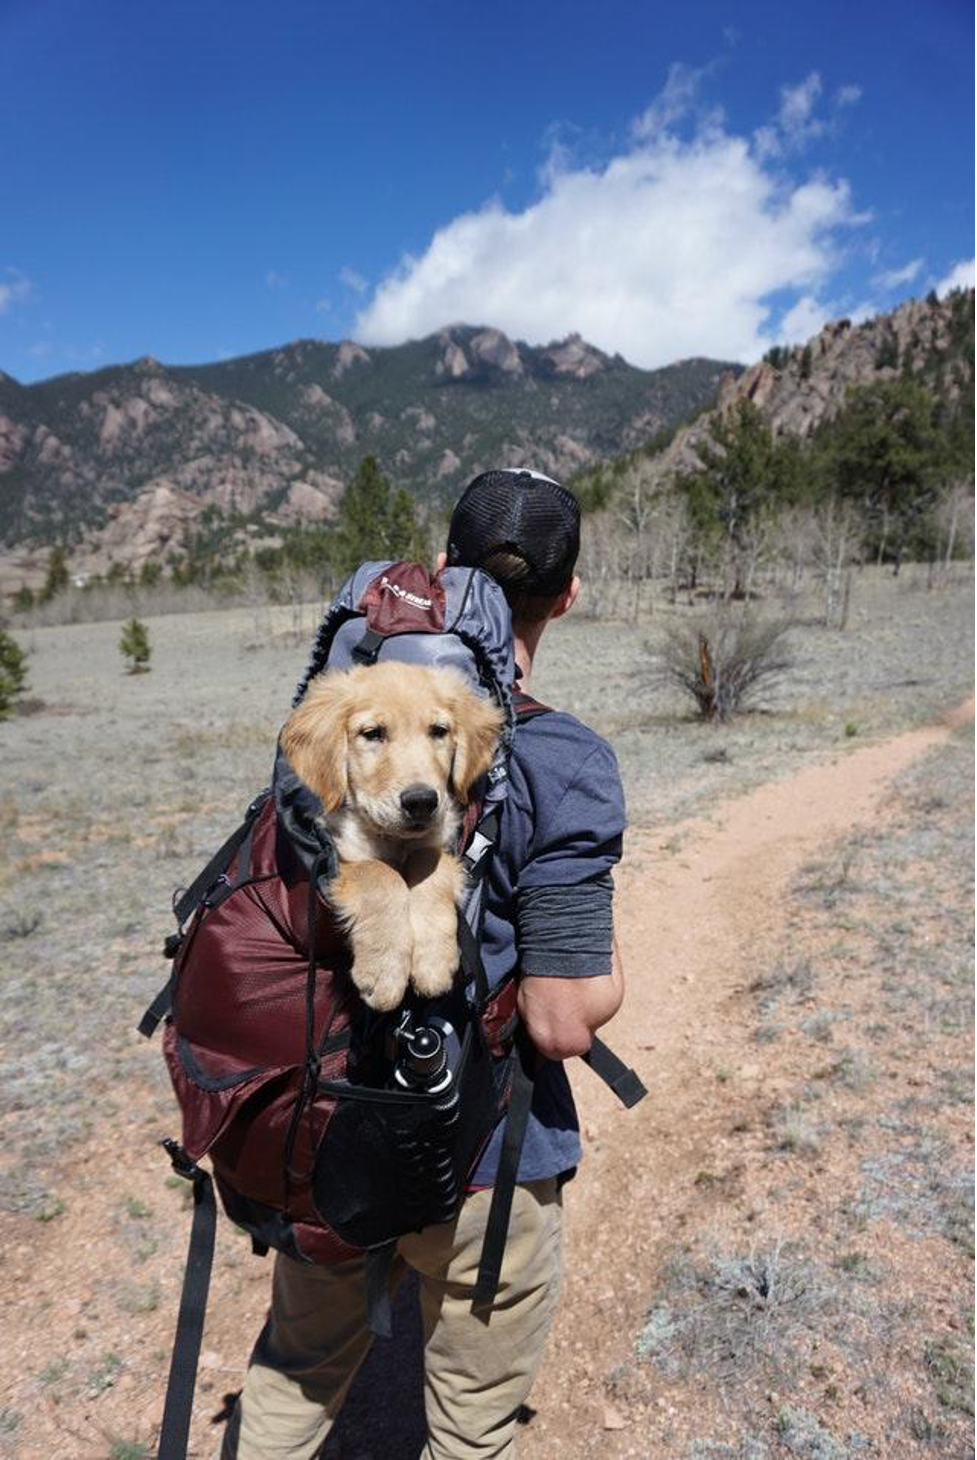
[[383, 1417]]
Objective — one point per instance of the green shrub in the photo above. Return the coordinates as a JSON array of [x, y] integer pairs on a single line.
[[134, 645], [13, 673]]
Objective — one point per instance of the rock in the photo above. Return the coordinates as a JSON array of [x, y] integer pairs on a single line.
[[614, 1419], [573, 356], [492, 347], [348, 355], [453, 362]]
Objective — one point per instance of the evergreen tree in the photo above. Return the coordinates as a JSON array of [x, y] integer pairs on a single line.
[[134, 645], [403, 536], [150, 574], [57, 578], [24, 599], [745, 470], [364, 517], [13, 673], [883, 451], [375, 520]]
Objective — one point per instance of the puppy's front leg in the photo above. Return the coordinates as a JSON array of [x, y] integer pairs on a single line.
[[371, 902], [435, 880]]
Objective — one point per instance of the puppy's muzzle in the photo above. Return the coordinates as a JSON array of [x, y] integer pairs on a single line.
[[419, 803]]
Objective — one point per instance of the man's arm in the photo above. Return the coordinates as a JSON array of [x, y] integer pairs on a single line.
[[571, 978], [562, 1014]]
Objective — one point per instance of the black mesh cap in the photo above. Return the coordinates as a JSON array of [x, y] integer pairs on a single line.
[[520, 512]]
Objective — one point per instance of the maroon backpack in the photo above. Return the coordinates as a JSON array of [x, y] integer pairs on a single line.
[[332, 1130]]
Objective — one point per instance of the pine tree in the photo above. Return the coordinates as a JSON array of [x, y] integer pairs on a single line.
[[57, 578], [24, 598], [744, 468], [364, 517], [402, 527], [134, 645], [13, 673], [884, 452]]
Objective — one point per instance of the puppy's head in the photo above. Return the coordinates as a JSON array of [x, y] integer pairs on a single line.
[[400, 744]]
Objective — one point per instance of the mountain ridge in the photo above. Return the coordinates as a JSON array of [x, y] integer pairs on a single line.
[[86, 458]]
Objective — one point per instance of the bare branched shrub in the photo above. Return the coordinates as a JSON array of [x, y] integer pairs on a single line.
[[723, 659]]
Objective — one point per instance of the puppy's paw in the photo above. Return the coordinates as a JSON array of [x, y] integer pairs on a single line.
[[381, 984], [433, 966]]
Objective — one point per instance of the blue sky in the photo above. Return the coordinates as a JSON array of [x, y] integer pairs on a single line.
[[203, 178]]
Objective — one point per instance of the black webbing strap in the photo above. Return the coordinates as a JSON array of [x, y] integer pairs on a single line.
[[157, 1010], [497, 1226], [367, 649], [471, 961], [188, 901], [615, 1073], [175, 1428], [483, 840], [379, 1315]]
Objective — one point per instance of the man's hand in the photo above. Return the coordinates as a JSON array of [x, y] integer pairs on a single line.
[[562, 1014]]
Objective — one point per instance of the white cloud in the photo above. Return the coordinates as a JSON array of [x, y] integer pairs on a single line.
[[670, 249], [961, 276], [15, 287], [353, 280], [797, 123], [275, 280], [893, 278], [805, 319], [674, 102]]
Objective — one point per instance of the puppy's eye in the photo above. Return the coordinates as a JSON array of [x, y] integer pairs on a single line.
[[438, 732], [374, 732]]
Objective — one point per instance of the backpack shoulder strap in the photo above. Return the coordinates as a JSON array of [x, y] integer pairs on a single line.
[[186, 904], [527, 708]]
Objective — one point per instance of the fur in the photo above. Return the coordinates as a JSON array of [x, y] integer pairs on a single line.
[[377, 744]]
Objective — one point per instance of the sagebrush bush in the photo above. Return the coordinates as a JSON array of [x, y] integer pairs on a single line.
[[723, 658]]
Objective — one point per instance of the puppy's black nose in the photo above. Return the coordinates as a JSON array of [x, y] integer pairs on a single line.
[[419, 802]]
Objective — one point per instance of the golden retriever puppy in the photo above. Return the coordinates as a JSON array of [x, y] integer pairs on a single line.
[[392, 750]]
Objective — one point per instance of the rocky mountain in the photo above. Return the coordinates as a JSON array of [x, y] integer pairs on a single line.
[[122, 464], [796, 388]]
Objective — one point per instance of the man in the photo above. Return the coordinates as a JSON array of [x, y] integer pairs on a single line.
[[548, 912]]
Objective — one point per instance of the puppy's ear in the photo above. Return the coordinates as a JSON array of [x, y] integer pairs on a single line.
[[315, 739], [477, 727]]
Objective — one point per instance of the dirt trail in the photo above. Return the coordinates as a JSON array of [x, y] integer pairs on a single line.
[[693, 925], [698, 909]]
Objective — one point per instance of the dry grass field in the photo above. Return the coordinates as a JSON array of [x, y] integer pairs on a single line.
[[771, 1257]]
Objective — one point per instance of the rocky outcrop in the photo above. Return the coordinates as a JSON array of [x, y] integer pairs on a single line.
[[325, 413], [348, 355], [493, 348], [452, 363], [796, 388], [308, 503], [13, 437], [573, 356], [159, 521]]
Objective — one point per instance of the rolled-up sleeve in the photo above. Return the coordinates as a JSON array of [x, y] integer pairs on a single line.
[[564, 892]]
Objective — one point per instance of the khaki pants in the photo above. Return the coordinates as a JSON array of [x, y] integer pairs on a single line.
[[477, 1373]]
